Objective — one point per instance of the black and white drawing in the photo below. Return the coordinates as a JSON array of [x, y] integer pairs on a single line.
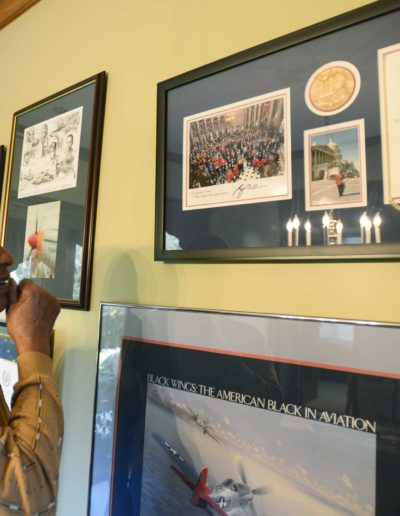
[[50, 155]]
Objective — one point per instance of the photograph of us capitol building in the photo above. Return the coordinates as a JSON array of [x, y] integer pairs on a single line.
[[335, 156]]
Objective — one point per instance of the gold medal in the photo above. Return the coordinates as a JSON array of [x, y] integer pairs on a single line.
[[332, 88]]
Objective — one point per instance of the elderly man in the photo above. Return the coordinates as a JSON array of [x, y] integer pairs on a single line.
[[31, 434]]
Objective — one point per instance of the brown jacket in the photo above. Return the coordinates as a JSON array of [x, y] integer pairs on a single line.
[[30, 440]]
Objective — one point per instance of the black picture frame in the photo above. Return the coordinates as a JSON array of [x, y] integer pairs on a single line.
[[51, 190], [194, 122]]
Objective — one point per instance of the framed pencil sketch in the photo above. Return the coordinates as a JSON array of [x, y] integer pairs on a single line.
[[236, 418], [51, 190], [285, 151]]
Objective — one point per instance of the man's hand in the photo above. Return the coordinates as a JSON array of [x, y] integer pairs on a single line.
[[31, 314]]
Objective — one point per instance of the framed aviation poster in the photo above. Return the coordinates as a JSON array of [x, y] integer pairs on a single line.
[[244, 414]]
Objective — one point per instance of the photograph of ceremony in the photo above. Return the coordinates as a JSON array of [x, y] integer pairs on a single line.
[[239, 153]]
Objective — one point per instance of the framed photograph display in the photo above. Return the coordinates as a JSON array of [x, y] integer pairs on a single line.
[[51, 190], [286, 151], [226, 412]]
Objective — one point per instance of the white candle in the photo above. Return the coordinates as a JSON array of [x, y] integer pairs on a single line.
[[363, 219], [377, 221], [307, 227], [326, 219], [339, 231], [289, 227], [296, 226], [368, 225]]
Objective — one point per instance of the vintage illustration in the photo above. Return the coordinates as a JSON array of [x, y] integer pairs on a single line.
[[332, 88], [238, 153], [389, 87], [335, 166], [41, 240], [50, 155]]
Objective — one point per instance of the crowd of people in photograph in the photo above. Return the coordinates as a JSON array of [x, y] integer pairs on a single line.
[[222, 159]]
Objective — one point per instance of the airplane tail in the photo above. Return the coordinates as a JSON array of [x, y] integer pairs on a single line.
[[201, 491], [202, 480]]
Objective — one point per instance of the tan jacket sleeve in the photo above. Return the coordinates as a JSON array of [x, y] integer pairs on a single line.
[[30, 440]]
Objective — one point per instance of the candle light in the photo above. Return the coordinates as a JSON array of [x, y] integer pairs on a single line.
[[368, 225], [363, 220], [296, 226], [339, 231], [325, 224], [326, 219], [377, 221], [289, 227], [307, 227]]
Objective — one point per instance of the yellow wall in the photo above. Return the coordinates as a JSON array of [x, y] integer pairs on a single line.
[[139, 43]]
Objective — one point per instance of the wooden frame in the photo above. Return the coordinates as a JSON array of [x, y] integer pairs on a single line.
[[2, 164], [11, 9], [51, 190], [211, 117]]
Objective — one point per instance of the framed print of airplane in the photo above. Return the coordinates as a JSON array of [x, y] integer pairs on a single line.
[[235, 418]]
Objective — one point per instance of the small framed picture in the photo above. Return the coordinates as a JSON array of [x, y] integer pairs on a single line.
[[51, 190], [334, 166]]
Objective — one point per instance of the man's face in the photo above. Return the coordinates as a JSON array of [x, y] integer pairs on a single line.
[[6, 261]]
